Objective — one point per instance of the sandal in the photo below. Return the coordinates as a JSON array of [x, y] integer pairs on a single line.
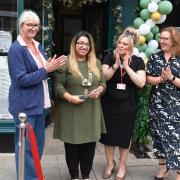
[[121, 178], [164, 175], [108, 172]]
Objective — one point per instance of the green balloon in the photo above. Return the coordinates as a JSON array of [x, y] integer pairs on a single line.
[[144, 3], [149, 51], [155, 30], [157, 37], [165, 7], [145, 14], [137, 22], [157, 50], [149, 36], [142, 48]]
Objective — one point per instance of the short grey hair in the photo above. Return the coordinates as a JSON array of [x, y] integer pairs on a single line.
[[27, 15]]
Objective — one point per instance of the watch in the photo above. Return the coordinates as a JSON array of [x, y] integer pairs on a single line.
[[172, 78]]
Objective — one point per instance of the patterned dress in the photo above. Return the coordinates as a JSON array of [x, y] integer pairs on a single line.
[[165, 111]]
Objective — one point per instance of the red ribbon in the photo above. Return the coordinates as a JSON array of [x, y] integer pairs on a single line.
[[35, 153]]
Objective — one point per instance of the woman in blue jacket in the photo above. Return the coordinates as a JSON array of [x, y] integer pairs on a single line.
[[28, 91]]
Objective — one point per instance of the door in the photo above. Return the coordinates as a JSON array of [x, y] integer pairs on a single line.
[[69, 20]]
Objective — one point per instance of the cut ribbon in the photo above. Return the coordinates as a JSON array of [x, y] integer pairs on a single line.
[[35, 152]]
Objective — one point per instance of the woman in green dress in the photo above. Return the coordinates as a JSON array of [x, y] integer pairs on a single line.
[[80, 123]]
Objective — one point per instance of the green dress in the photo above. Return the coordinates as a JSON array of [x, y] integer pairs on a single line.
[[78, 123]]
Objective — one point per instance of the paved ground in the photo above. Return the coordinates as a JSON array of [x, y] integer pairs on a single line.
[[55, 168]]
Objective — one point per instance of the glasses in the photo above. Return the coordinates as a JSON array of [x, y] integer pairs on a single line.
[[82, 44], [33, 26], [164, 38]]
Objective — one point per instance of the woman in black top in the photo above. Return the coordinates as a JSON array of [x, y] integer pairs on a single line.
[[125, 74]]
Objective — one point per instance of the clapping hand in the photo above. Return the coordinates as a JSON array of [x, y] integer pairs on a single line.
[[168, 73], [54, 63], [117, 57], [126, 59]]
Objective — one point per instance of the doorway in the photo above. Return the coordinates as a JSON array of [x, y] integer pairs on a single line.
[[69, 20]]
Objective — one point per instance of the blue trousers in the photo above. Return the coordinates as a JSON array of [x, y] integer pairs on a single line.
[[38, 124]]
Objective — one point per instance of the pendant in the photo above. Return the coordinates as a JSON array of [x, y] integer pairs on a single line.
[[84, 82], [86, 92]]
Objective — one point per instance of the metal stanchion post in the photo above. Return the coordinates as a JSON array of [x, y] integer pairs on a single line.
[[22, 127]]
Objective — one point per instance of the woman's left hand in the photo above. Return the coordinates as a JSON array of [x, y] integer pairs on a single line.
[[168, 73], [126, 59], [96, 92]]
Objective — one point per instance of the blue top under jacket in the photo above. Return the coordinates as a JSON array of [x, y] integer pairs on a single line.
[[26, 89]]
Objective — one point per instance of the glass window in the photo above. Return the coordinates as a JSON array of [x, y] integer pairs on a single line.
[[8, 18]]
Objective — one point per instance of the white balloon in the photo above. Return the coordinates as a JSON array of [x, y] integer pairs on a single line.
[[150, 22], [156, 1], [153, 44], [144, 29], [162, 19], [135, 51], [152, 7], [142, 55]]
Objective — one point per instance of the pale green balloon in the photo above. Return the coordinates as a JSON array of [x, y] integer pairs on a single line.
[[144, 3], [157, 37], [142, 48], [145, 14], [155, 30], [149, 36], [165, 7], [149, 51], [137, 22]]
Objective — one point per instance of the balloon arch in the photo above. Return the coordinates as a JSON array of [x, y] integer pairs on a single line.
[[152, 13]]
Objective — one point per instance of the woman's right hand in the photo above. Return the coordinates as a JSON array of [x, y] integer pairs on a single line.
[[54, 63], [74, 99], [163, 75], [117, 57]]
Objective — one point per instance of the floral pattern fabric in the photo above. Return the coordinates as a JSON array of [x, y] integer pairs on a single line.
[[164, 111]]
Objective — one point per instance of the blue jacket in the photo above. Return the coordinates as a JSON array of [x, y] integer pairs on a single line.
[[26, 90]]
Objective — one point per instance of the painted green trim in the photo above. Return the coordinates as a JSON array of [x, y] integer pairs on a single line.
[[20, 6], [128, 12], [7, 126]]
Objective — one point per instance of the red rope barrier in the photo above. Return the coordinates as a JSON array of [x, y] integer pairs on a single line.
[[35, 153]]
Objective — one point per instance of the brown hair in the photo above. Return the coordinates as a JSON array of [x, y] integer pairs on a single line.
[[175, 36]]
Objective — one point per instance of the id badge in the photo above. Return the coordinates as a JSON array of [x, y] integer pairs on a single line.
[[121, 86]]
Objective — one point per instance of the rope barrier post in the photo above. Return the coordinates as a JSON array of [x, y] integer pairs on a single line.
[[22, 127]]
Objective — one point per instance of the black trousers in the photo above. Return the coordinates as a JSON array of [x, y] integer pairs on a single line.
[[80, 154]]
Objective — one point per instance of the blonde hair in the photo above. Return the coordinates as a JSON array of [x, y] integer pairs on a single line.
[[132, 35], [175, 36], [91, 57], [27, 15]]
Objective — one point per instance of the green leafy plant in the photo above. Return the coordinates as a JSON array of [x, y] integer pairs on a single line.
[[141, 127]]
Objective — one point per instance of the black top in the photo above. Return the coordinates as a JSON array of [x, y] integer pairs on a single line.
[[112, 92], [120, 106]]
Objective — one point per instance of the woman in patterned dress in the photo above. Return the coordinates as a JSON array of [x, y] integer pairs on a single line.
[[163, 73]]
